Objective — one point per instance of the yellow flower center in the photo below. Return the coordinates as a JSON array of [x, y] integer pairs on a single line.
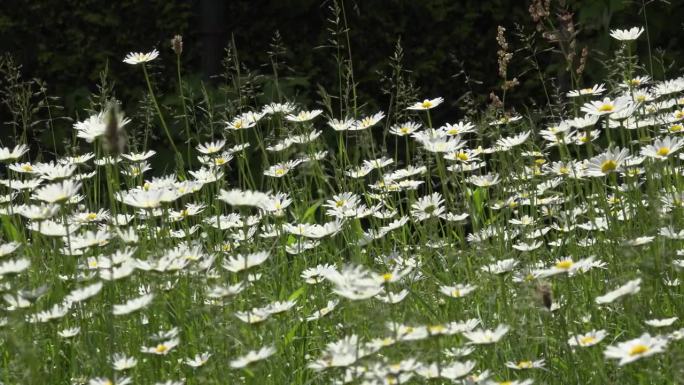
[[238, 124], [608, 166], [662, 151], [638, 349], [587, 340], [525, 364], [219, 161], [679, 114], [455, 293], [184, 213], [586, 91], [453, 131], [280, 171], [563, 170], [426, 104], [434, 329], [404, 130], [387, 277], [340, 203], [540, 161], [462, 156], [565, 264], [606, 108], [641, 98], [27, 167], [161, 348], [147, 186], [91, 216], [506, 383], [676, 128]]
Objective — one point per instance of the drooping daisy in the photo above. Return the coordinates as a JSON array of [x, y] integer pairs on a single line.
[[134, 58], [626, 34]]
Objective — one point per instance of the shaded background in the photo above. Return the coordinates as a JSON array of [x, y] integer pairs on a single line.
[[67, 44]]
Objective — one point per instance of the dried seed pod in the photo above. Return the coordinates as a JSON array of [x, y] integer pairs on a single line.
[[545, 294]]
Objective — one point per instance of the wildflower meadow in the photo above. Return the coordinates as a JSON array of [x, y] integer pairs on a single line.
[[333, 243]]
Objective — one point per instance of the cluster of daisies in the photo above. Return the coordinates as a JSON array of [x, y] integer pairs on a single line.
[[558, 245]]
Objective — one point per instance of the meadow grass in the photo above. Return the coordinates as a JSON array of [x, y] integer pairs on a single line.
[[297, 246]]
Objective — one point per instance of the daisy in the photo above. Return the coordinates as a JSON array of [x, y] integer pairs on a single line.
[[459, 128], [659, 323], [537, 364], [341, 125], [198, 360], [632, 350], [610, 161], [367, 122], [68, 333], [144, 199], [239, 123], [426, 207], [211, 147], [458, 291], [515, 382], [252, 356], [631, 287], [501, 267], [626, 34], [508, 143], [588, 339], [662, 148], [107, 381], [122, 362], [242, 262], [486, 336], [57, 192], [484, 180], [597, 89], [10, 155], [426, 104], [133, 305], [134, 58], [303, 116], [162, 348], [243, 198], [606, 106], [281, 169], [404, 129]]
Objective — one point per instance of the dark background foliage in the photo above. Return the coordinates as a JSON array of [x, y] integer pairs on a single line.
[[67, 43]]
